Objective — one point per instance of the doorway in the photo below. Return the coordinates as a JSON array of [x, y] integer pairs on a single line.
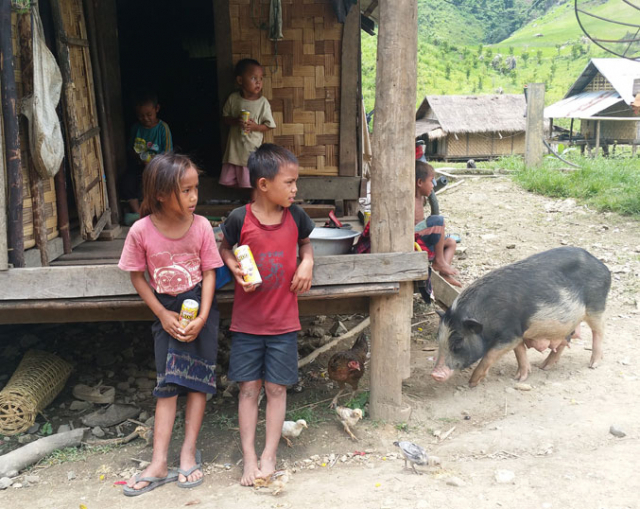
[[168, 47]]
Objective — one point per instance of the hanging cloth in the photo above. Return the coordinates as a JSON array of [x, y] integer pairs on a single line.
[[275, 20], [46, 145]]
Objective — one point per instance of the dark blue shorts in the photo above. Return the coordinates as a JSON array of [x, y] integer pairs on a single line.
[[270, 358], [430, 230]]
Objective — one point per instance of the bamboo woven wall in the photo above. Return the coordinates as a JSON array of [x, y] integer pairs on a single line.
[[86, 116], [302, 75], [599, 82], [611, 129], [484, 145], [51, 212]]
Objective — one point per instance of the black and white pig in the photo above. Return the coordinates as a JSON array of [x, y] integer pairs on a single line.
[[537, 302]]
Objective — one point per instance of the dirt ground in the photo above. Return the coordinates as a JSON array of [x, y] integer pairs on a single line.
[[546, 447]]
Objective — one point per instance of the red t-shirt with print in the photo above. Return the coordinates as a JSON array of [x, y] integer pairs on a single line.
[[272, 308]]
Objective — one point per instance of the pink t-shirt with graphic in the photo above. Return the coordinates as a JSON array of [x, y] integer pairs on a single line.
[[174, 265]]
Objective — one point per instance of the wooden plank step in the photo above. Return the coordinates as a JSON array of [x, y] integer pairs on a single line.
[[68, 282]]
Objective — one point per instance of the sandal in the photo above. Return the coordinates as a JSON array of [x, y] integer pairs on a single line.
[[101, 394], [154, 482], [187, 473]]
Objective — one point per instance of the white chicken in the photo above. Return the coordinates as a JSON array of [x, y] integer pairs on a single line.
[[291, 429], [349, 417]]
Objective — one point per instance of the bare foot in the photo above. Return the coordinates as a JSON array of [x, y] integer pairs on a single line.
[[451, 281], [187, 462], [251, 471], [267, 465], [444, 268], [153, 470]]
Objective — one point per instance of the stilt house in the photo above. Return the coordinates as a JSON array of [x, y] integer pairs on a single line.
[[601, 100]]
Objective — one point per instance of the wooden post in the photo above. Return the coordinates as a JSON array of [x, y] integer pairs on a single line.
[[4, 254], [25, 34], [550, 134], [535, 125], [571, 132], [62, 206], [349, 97], [11, 138], [224, 60], [392, 186], [597, 138], [107, 145]]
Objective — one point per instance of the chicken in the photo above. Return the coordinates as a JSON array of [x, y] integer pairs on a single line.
[[347, 367], [412, 453], [349, 417], [291, 429], [275, 482]]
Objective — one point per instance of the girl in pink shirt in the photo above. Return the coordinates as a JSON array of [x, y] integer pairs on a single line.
[[178, 251]]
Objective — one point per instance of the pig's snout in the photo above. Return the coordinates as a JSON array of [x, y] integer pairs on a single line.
[[441, 373]]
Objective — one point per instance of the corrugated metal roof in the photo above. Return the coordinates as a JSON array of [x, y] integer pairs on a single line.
[[620, 72], [584, 105]]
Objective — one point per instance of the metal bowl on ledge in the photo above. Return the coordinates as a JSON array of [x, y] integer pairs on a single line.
[[332, 241]]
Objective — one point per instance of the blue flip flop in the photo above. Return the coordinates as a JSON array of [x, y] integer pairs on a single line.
[[154, 482], [187, 473]]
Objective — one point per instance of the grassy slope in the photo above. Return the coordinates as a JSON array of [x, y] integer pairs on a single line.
[[453, 65]]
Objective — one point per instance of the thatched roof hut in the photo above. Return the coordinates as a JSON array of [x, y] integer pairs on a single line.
[[461, 126]]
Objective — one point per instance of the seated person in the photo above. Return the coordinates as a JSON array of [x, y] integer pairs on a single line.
[[430, 231], [149, 137]]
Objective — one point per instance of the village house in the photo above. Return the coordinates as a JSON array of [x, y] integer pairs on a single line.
[[601, 100], [60, 235], [456, 127]]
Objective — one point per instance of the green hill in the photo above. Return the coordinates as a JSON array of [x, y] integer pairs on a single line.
[[454, 57]]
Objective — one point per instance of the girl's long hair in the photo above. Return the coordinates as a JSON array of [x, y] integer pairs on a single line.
[[161, 178]]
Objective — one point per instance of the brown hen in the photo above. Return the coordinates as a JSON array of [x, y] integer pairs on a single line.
[[347, 367]]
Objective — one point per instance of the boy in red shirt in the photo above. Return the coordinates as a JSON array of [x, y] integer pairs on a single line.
[[264, 321]]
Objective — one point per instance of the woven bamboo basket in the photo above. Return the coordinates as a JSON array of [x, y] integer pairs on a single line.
[[39, 378]]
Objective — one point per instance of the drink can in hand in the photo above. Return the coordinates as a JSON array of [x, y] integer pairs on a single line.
[[188, 312], [250, 271], [245, 115]]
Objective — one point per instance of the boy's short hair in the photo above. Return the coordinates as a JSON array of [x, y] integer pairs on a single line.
[[244, 64], [265, 162], [423, 170], [145, 97]]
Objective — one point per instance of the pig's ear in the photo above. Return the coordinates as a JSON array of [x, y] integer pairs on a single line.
[[473, 325], [439, 312]]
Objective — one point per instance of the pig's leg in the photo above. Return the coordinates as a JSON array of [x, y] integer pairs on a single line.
[[596, 322], [487, 361], [553, 357], [524, 367]]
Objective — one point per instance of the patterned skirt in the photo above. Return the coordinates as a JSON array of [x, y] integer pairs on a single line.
[[186, 367]]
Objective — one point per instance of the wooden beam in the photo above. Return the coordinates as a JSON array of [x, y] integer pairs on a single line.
[[309, 188], [224, 61], [392, 181], [4, 253], [9, 94], [323, 300], [70, 282], [443, 292], [533, 146], [349, 97], [597, 137]]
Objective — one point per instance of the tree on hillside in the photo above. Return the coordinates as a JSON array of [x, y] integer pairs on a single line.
[[525, 57]]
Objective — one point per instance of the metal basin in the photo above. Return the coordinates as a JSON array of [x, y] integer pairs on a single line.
[[332, 241]]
